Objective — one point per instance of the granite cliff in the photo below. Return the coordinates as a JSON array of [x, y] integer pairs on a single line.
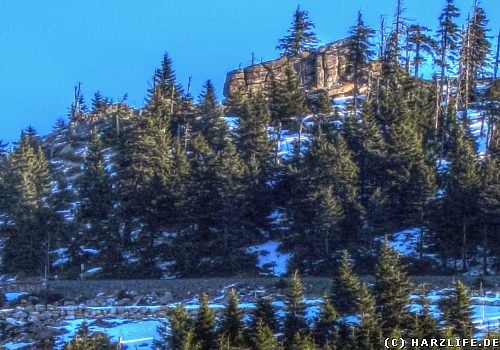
[[324, 68]]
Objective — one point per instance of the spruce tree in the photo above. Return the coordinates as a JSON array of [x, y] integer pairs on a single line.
[[359, 55], [461, 197], [391, 290], [95, 214], [265, 313], [457, 312], [231, 325], [301, 37], [325, 327], [420, 46], [210, 122], [345, 288], [264, 337], [27, 181], [86, 340], [368, 332], [295, 322], [489, 205], [174, 335], [204, 325]]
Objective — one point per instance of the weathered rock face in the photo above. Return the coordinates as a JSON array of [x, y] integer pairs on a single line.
[[325, 67]]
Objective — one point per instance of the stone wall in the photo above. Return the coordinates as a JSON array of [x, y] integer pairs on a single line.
[[325, 67]]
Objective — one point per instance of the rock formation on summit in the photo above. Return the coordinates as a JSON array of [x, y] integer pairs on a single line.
[[324, 68]]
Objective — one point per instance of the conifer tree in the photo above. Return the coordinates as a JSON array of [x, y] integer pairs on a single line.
[[301, 37], [489, 204], [204, 325], [27, 182], [326, 325], [86, 340], [266, 313], [461, 196], [231, 325], [368, 333], [391, 290], [210, 122], [287, 105], [425, 325], [95, 212], [176, 335], [411, 175], [264, 337], [457, 312], [295, 322], [360, 53], [345, 288], [420, 46]]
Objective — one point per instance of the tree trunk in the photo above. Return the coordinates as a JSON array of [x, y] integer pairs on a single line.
[[464, 242]]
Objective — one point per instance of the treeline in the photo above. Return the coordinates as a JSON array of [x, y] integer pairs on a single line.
[[172, 186], [352, 316]]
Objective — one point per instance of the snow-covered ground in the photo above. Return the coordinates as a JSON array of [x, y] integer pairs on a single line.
[[270, 260], [140, 334]]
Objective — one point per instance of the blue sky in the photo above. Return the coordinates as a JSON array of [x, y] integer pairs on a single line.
[[47, 47]]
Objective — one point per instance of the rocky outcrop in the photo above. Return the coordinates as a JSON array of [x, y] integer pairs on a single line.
[[324, 68]]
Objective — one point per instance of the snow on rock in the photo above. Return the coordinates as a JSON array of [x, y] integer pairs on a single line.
[[270, 259]]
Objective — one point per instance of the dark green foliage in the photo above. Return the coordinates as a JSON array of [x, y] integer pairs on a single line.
[[345, 288], [460, 203], [326, 325], [175, 335], [264, 313], [368, 334], [26, 184], [301, 37], [264, 338], [210, 122], [359, 54], [322, 205], [231, 324], [425, 325], [448, 35], [95, 213], [204, 326], [86, 340], [391, 290], [457, 312], [420, 45], [295, 322]]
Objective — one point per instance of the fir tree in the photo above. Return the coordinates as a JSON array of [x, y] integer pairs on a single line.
[[359, 55], [27, 184], [95, 212], [489, 204], [301, 37], [391, 290], [204, 325], [86, 340], [420, 46], [264, 337], [231, 325], [368, 333], [346, 288], [326, 325], [177, 334], [210, 122], [457, 312], [295, 322], [461, 196], [265, 313]]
